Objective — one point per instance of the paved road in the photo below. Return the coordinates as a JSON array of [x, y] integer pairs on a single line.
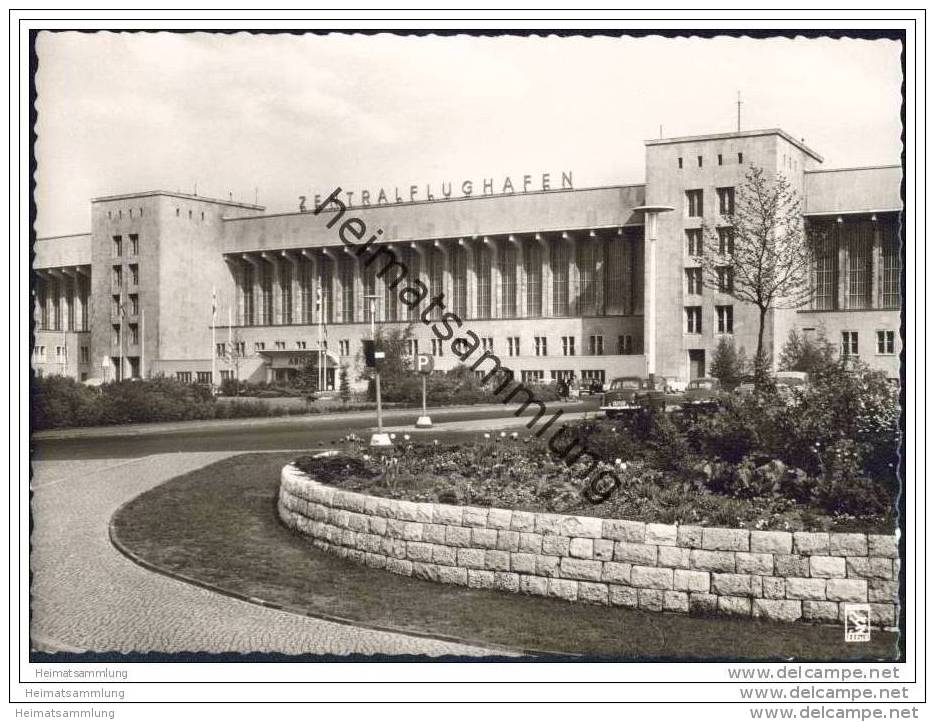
[[87, 596]]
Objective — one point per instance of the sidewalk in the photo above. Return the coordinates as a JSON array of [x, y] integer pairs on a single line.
[[479, 425]]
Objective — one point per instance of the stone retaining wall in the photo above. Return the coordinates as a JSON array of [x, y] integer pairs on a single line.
[[782, 576]]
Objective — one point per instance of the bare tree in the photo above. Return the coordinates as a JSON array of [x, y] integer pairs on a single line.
[[762, 254]]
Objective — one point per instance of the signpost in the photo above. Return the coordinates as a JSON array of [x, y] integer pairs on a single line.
[[425, 364], [373, 358]]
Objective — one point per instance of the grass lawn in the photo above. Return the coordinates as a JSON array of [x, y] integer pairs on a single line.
[[219, 525]]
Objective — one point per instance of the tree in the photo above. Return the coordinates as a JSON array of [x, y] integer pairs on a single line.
[[763, 254], [307, 378], [728, 365], [345, 385], [397, 380], [812, 355], [234, 353]]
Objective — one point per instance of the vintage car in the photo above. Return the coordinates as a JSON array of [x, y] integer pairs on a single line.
[[702, 394], [621, 396], [655, 395], [746, 386], [790, 382]]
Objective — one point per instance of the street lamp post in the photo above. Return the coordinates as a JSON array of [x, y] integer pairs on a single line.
[[380, 438]]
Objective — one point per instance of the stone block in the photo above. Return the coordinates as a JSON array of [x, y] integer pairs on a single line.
[[581, 569], [651, 577], [616, 572], [446, 514], [644, 554], [809, 543], [754, 563], [621, 596], [419, 551], [399, 566], [530, 542], [675, 602], [339, 518], [593, 593], [412, 531], [777, 610], [774, 587], [429, 572], [349, 538], [771, 542], [547, 566], [791, 565], [471, 558], [847, 590], [452, 575], [320, 493], [709, 561], [533, 585], [822, 612], [883, 615], [582, 526], [378, 526], [433, 533], [581, 548], [375, 561], [507, 541], [386, 508], [735, 585], [882, 545], [870, 568], [702, 603], [479, 579], [497, 561], [457, 536], [848, 545], [524, 521], [827, 567], [734, 606], [622, 530], [879, 590], [393, 547], [442, 554], [603, 549], [340, 499], [555, 545], [506, 581], [691, 581], [661, 534], [484, 538], [674, 557], [499, 518], [550, 524], [523, 563], [356, 556], [799, 588], [395, 528], [690, 536], [474, 516], [651, 599], [563, 589], [733, 540], [413, 511]]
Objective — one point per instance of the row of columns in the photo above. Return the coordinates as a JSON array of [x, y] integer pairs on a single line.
[[74, 310], [845, 237], [287, 287]]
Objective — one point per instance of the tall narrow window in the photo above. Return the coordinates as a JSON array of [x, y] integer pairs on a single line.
[[694, 203], [436, 275], [586, 257], [413, 261], [532, 263], [694, 241], [347, 288], [618, 276], [889, 269], [266, 289], [459, 281], [135, 243], [482, 260], [725, 201], [325, 279], [859, 266], [725, 240], [369, 278], [246, 289], [826, 273], [725, 279], [118, 246], [693, 283], [507, 266], [725, 319], [693, 319], [390, 295], [307, 294], [285, 281], [559, 265], [849, 344]]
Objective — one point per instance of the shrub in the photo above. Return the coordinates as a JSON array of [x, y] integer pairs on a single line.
[[803, 353], [729, 365]]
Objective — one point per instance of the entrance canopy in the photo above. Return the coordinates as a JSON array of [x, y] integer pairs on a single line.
[[298, 358]]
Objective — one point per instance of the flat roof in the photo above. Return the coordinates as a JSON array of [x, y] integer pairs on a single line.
[[187, 196], [738, 134]]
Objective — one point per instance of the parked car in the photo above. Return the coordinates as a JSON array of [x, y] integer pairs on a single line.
[[621, 396], [788, 383], [593, 387], [746, 386], [656, 394], [702, 394]]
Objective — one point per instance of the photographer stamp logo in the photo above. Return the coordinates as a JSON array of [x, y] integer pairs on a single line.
[[856, 622]]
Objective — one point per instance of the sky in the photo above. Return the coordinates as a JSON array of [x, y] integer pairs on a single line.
[[273, 117]]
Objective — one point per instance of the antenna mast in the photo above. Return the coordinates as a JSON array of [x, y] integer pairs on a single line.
[[739, 103]]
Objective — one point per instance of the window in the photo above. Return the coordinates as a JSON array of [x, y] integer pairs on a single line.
[[184, 376], [134, 300], [532, 377], [134, 274], [625, 344], [115, 334], [725, 319], [507, 264], [541, 344], [725, 279], [344, 347], [220, 350], [246, 287], [693, 280], [695, 241], [116, 278], [135, 243], [412, 346], [859, 266], [720, 159], [693, 319], [84, 355], [134, 334], [568, 345], [118, 245], [280, 345], [300, 344], [486, 344], [240, 348], [589, 255], [512, 343], [227, 375], [725, 201], [740, 158], [595, 345], [60, 353], [694, 201], [285, 292], [849, 345], [557, 374], [593, 375], [680, 161], [700, 161], [483, 262], [725, 241], [532, 263], [889, 270], [266, 293], [259, 346], [560, 259], [115, 307], [826, 274], [438, 347], [203, 377], [886, 342], [459, 281], [39, 353]]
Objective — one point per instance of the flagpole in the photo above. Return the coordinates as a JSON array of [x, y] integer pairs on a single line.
[[321, 315], [142, 342], [214, 325], [230, 337]]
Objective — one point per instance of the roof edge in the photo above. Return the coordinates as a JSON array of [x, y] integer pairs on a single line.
[[176, 194], [738, 134]]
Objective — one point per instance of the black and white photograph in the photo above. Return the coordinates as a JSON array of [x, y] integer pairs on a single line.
[[386, 352]]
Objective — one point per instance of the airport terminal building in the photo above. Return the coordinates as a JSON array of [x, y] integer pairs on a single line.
[[555, 280]]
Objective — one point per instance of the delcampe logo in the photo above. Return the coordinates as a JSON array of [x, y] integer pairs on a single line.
[[856, 622]]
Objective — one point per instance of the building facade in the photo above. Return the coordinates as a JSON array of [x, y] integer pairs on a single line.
[[596, 282]]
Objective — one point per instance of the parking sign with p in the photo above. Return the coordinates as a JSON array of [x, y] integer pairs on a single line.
[[425, 364]]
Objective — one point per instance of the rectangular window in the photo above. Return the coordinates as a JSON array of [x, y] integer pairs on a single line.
[[486, 344], [184, 376], [849, 344], [134, 332], [220, 350], [118, 246], [512, 344], [596, 345], [436, 261], [115, 309], [203, 377], [60, 353], [134, 244], [285, 286], [39, 353], [720, 159], [619, 272], [247, 297], [115, 334], [560, 259], [725, 241], [532, 377], [344, 347], [695, 241], [859, 266], [625, 344], [506, 262], [134, 274], [227, 375], [280, 345], [587, 255], [266, 294], [725, 201], [889, 269], [438, 347], [693, 319], [886, 342], [568, 345], [259, 346], [541, 345], [240, 348], [680, 162], [532, 265], [700, 161], [85, 354], [725, 319], [693, 280], [740, 158], [826, 273], [134, 300], [300, 345], [346, 271], [725, 279], [459, 281], [412, 346], [593, 375], [694, 202], [116, 278], [483, 259]]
